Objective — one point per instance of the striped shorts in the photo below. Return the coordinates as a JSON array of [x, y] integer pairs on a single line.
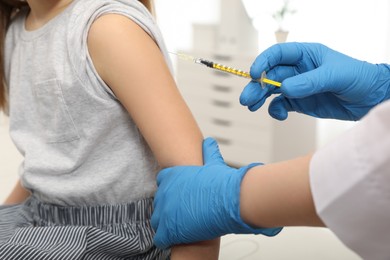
[[38, 231]]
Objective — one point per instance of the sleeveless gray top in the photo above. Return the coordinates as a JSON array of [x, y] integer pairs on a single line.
[[80, 145]]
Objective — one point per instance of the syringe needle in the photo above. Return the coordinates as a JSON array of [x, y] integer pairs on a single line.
[[183, 56], [263, 80]]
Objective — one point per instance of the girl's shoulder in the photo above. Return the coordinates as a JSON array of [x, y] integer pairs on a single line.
[[86, 12], [83, 8]]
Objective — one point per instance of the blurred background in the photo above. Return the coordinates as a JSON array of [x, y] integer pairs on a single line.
[[233, 32]]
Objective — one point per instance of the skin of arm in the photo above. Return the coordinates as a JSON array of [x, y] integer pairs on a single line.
[[18, 195], [279, 194], [131, 63]]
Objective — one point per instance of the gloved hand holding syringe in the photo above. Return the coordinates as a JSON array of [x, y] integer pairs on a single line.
[[262, 80]]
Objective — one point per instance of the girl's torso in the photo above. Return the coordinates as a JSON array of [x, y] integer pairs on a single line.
[[79, 144]]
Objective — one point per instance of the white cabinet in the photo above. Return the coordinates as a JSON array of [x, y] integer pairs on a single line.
[[213, 96]]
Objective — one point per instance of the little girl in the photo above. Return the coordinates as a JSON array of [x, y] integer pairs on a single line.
[[95, 112]]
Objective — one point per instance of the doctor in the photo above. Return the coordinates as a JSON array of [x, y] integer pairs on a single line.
[[344, 186]]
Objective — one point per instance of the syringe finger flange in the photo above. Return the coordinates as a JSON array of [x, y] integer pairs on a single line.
[[263, 81]]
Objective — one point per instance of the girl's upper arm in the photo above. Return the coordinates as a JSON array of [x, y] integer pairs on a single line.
[[132, 65]]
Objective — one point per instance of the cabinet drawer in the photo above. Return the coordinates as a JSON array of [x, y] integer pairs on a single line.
[[219, 109], [239, 144], [210, 90], [194, 85], [237, 154], [236, 133]]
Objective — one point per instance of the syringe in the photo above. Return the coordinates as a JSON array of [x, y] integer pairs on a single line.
[[263, 80]]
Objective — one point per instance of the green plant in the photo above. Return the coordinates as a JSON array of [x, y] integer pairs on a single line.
[[280, 14]]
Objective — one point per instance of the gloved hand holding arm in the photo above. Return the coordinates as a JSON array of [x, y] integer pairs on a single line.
[[317, 81], [197, 203]]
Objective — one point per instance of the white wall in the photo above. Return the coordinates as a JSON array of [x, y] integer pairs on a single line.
[[359, 28]]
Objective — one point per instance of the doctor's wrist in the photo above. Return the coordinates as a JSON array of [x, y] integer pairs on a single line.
[[385, 80], [278, 194], [250, 202]]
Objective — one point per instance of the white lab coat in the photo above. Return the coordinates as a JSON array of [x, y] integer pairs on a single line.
[[350, 182]]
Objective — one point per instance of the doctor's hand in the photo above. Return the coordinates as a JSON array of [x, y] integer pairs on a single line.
[[317, 81], [197, 203]]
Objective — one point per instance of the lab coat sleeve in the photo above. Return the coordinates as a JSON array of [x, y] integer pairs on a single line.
[[350, 182]]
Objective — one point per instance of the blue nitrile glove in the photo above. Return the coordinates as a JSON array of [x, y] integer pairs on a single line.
[[317, 81], [197, 203]]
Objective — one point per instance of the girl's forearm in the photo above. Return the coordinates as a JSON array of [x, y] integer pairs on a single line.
[[18, 195], [279, 194], [205, 250]]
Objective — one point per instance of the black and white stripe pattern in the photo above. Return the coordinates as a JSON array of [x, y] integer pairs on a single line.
[[38, 231]]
